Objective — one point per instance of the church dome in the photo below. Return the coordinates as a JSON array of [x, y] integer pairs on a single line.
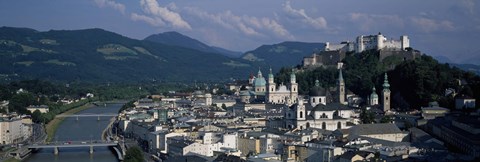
[[317, 90], [374, 94], [259, 82]]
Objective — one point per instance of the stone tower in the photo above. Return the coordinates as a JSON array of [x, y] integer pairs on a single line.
[[386, 94], [271, 84], [341, 88], [293, 87], [301, 112]]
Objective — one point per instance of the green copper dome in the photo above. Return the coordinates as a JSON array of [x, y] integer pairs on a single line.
[[374, 94]]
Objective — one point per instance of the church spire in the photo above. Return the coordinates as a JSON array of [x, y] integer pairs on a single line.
[[293, 77], [386, 85], [270, 75], [259, 74], [386, 94]]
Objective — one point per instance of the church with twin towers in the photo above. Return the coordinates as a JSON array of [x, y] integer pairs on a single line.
[[323, 107]]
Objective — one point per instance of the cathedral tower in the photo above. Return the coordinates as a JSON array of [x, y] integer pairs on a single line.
[[293, 87], [271, 86]]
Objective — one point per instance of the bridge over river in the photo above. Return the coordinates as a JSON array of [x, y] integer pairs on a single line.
[[67, 144], [81, 140], [77, 116]]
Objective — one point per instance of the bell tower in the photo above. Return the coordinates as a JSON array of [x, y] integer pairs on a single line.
[[386, 94]]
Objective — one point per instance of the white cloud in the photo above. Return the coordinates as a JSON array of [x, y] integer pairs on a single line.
[[317, 23], [468, 5], [248, 25], [152, 21], [368, 22], [111, 3], [430, 25], [157, 14]]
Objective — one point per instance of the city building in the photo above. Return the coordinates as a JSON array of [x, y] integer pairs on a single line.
[[284, 94], [464, 102], [382, 131], [460, 131], [270, 92], [12, 130]]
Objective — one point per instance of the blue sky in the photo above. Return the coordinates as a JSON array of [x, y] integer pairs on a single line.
[[436, 27]]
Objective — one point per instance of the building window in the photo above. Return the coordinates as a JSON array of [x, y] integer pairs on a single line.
[[301, 114]]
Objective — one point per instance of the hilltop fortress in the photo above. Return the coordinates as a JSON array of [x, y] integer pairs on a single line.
[[334, 53]]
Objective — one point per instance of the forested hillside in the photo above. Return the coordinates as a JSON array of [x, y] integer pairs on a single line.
[[414, 83]]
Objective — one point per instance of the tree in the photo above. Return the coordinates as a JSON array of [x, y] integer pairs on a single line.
[[134, 154], [224, 107], [386, 119], [367, 117], [36, 116]]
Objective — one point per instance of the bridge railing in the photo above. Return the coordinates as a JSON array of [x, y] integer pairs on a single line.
[[76, 142], [86, 115]]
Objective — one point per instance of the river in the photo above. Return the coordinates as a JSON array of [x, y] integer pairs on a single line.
[[85, 129]]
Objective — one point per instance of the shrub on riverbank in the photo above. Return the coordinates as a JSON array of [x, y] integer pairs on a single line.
[[134, 154]]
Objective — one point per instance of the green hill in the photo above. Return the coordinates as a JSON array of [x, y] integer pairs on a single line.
[[96, 55], [282, 54], [414, 83]]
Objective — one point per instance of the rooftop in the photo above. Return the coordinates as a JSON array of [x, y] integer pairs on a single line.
[[367, 129]]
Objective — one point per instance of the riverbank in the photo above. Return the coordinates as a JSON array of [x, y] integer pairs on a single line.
[[52, 126], [105, 133]]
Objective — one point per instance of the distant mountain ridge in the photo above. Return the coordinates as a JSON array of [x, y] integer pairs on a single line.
[[468, 67], [97, 55], [177, 39]]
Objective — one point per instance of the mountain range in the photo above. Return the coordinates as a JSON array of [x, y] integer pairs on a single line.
[[97, 55], [180, 40]]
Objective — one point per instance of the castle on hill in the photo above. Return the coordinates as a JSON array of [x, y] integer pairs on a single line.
[[334, 53]]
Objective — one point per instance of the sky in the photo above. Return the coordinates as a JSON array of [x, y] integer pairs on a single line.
[[448, 28]]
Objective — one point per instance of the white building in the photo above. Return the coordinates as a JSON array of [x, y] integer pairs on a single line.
[[331, 117], [284, 94], [13, 131], [379, 42], [207, 146], [383, 131]]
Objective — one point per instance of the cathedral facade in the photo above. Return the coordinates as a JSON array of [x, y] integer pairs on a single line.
[[320, 112], [276, 93]]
